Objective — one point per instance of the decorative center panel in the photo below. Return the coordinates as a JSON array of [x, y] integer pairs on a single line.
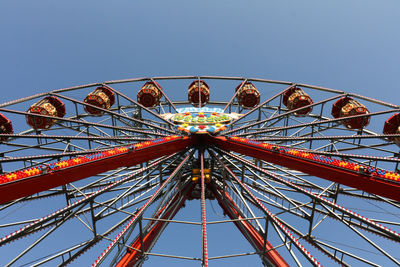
[[201, 120]]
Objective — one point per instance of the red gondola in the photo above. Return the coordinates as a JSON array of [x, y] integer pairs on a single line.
[[101, 97], [193, 93], [392, 126], [5, 127], [149, 95], [248, 96], [295, 98], [49, 106], [348, 107]]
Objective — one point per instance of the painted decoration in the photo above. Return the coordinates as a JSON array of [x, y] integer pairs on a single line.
[[201, 120]]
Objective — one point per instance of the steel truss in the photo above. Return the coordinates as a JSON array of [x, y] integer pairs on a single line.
[[118, 180]]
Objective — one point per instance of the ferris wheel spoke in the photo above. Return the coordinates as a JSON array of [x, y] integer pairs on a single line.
[[287, 235], [138, 215], [72, 137], [229, 104], [335, 253], [352, 219], [379, 230], [381, 250], [357, 158], [366, 178], [272, 188], [341, 142], [62, 214], [327, 137], [258, 240], [143, 181], [164, 94], [147, 237], [30, 161], [203, 210], [68, 257], [54, 217], [344, 213], [39, 240]]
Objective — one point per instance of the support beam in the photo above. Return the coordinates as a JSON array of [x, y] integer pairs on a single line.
[[366, 178], [27, 182]]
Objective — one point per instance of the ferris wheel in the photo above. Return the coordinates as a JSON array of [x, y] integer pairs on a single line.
[[95, 173]]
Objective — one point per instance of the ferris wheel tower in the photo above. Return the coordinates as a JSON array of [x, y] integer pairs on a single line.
[[307, 175]]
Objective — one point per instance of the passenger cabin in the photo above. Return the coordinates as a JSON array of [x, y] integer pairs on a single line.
[[295, 98], [248, 95], [49, 106], [150, 94], [392, 126], [348, 107], [5, 127], [101, 97], [198, 90]]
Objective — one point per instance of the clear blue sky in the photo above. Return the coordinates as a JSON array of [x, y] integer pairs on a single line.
[[348, 45]]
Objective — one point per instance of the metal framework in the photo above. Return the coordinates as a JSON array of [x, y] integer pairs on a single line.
[[105, 190]]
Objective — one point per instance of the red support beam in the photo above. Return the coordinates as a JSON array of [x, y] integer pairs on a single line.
[[366, 178], [27, 182], [247, 229], [132, 256]]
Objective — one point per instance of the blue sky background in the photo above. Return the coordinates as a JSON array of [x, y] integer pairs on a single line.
[[348, 45]]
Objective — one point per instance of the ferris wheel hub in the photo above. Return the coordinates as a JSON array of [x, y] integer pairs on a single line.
[[203, 120]]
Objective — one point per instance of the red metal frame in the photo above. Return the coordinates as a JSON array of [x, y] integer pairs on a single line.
[[49, 179], [247, 229], [367, 182]]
